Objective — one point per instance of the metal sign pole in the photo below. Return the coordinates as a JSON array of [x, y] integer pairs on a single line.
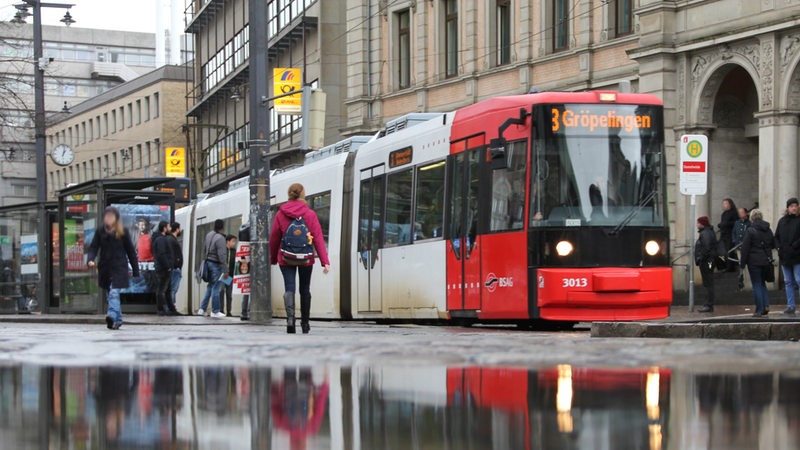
[[692, 214]]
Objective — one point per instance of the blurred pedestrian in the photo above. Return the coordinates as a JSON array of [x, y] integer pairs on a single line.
[[726, 224], [705, 251], [296, 233], [215, 251], [787, 240], [164, 263], [740, 227], [116, 251], [226, 289], [177, 271], [757, 258]]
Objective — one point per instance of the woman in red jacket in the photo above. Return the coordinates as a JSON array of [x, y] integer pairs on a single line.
[[296, 208]]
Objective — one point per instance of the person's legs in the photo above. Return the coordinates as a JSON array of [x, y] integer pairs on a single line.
[[228, 288], [162, 289], [791, 285], [114, 309], [175, 283], [216, 272], [707, 274], [759, 288], [289, 273], [304, 274], [222, 298], [245, 307]]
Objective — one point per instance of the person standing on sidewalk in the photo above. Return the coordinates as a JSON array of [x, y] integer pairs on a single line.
[[164, 263], [726, 223], [299, 216], [226, 289], [177, 271], [787, 239], [757, 258], [705, 251], [116, 251], [215, 250]]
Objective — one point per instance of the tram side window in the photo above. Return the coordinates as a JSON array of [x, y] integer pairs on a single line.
[[232, 225], [508, 190], [429, 212], [397, 227], [321, 204]]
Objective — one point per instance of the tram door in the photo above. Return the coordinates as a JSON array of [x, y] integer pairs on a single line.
[[463, 247], [370, 230]]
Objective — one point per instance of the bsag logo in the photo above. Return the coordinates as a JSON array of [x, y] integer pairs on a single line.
[[493, 282]]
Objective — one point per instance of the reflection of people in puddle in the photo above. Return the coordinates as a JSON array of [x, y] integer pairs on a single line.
[[114, 393], [298, 405]]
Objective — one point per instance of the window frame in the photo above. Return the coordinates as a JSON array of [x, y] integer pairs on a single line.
[[450, 51], [403, 53], [503, 25], [617, 5], [560, 26]]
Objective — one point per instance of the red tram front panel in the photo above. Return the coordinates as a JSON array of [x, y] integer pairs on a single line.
[[604, 293], [504, 276]]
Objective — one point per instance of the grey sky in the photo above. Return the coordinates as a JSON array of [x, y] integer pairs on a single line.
[[127, 15]]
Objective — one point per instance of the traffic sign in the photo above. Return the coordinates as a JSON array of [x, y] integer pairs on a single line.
[[694, 164], [287, 80], [175, 162]]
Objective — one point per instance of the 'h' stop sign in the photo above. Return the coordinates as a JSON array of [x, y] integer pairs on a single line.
[[694, 164]]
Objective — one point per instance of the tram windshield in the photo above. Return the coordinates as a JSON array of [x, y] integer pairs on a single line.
[[598, 165]]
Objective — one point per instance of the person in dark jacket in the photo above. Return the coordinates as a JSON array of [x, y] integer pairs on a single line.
[[705, 250], [164, 262], [289, 211], [726, 224], [757, 258], [740, 226], [177, 271], [113, 244], [787, 240], [226, 290]]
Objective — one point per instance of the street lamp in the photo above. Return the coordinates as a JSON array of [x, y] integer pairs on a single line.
[[40, 131]]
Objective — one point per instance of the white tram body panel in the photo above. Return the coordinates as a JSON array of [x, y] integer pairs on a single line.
[[398, 281]]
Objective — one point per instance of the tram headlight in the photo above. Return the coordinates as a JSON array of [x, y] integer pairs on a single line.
[[564, 248], [652, 248]]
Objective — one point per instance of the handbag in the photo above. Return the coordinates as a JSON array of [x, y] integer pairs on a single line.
[[769, 271]]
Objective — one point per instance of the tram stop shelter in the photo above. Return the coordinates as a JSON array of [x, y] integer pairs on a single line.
[[20, 276], [142, 203]]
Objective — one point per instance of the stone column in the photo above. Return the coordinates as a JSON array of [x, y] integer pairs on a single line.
[[777, 161]]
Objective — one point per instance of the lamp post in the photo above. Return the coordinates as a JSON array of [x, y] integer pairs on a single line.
[[39, 65]]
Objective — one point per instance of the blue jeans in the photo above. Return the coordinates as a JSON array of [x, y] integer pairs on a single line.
[[757, 276], [114, 309], [215, 270], [304, 273], [176, 282], [791, 275]]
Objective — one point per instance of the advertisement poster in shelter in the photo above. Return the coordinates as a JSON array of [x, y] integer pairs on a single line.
[[142, 222], [241, 273]]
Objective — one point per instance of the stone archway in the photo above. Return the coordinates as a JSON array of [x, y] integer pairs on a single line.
[[728, 106]]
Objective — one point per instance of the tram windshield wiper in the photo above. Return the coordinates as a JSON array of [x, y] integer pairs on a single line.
[[627, 219]]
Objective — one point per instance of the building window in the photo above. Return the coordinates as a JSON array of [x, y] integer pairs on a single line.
[[156, 105], [623, 17], [138, 112], [157, 148], [105, 124], [107, 168], [147, 160], [138, 156], [116, 164], [147, 108], [404, 48], [130, 115], [91, 130], [503, 26], [560, 24], [92, 173], [83, 132], [451, 37], [122, 118]]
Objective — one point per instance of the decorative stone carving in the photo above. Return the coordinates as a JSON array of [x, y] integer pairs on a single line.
[[789, 48], [767, 60], [706, 108], [699, 64], [681, 90]]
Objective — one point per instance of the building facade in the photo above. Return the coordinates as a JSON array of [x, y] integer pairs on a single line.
[[121, 133], [307, 34], [724, 68], [82, 63]]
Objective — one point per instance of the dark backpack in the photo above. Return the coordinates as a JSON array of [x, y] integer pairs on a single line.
[[296, 245]]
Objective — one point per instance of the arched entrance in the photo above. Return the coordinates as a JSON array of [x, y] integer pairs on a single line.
[[729, 105]]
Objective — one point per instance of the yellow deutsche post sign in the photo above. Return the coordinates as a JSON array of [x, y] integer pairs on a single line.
[[175, 162], [286, 80]]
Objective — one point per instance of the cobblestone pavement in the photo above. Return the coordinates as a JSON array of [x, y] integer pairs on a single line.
[[199, 341]]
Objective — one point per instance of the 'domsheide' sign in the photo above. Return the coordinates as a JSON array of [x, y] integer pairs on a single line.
[[694, 164]]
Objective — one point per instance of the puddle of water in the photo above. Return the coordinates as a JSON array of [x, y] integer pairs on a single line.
[[367, 408]]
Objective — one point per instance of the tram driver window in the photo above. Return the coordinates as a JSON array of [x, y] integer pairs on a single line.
[[508, 190], [321, 204], [397, 228]]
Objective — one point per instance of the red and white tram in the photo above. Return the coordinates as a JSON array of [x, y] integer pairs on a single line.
[[540, 206]]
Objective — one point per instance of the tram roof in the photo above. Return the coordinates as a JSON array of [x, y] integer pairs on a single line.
[[514, 102]]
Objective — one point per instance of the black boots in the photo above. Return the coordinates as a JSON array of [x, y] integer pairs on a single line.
[[288, 302], [305, 313]]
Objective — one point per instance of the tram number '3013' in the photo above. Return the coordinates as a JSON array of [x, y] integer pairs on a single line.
[[574, 282]]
